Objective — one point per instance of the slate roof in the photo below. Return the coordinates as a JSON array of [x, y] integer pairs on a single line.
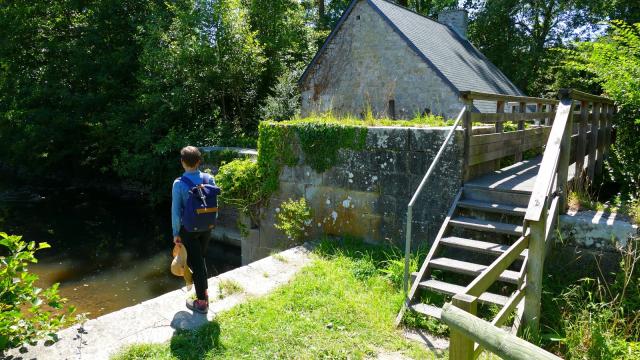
[[456, 60]]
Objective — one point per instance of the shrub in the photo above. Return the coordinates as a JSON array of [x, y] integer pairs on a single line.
[[241, 186], [294, 219], [27, 313]]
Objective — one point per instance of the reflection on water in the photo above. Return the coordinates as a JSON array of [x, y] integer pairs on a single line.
[[107, 253]]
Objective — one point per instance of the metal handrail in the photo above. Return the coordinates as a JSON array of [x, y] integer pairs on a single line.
[[407, 249]]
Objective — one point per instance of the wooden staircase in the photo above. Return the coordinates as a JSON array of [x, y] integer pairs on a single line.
[[481, 225]]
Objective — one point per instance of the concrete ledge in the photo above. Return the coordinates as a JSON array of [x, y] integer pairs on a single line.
[[596, 230], [156, 320]]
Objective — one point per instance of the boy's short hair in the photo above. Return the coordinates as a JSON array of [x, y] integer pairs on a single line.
[[190, 155]]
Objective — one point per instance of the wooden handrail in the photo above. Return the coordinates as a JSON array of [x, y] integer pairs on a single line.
[[496, 340], [483, 281], [477, 95], [579, 95], [549, 164]]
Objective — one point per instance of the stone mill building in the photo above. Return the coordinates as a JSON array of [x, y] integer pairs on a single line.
[[397, 63]]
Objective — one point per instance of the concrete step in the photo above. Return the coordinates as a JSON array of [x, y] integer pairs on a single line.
[[477, 246], [486, 226], [468, 268], [452, 289]]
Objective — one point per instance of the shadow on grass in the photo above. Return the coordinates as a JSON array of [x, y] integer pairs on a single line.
[[195, 336]]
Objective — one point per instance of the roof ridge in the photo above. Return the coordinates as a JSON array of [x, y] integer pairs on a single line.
[[414, 12]]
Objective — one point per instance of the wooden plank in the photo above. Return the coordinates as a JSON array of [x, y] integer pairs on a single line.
[[492, 138], [478, 246], [563, 163], [553, 216], [581, 142], [503, 314], [549, 164], [481, 283], [492, 207], [486, 225], [452, 289], [523, 110], [469, 268], [468, 131], [460, 346], [495, 146], [476, 95], [593, 142], [579, 95], [427, 310], [496, 340], [490, 118], [535, 264], [601, 134]]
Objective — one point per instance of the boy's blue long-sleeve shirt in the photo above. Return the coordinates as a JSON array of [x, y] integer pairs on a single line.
[[180, 194]]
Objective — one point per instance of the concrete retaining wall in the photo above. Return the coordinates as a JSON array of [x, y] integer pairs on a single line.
[[366, 193]]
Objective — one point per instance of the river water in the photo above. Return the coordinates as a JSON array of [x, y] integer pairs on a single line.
[[107, 252]]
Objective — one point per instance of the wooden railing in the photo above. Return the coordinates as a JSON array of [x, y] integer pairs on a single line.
[[488, 145], [585, 144]]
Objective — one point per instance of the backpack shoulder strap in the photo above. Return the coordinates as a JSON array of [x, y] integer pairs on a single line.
[[187, 181], [205, 178]]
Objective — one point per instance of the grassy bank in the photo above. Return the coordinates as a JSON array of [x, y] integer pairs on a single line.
[[341, 306]]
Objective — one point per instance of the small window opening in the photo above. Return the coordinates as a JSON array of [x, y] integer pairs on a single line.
[[392, 109]]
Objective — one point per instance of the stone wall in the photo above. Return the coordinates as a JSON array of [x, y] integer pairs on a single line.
[[366, 193], [367, 64]]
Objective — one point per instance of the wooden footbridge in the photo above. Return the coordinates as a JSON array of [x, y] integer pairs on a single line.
[[491, 247]]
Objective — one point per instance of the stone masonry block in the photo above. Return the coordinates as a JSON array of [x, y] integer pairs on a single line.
[[355, 160], [358, 180], [396, 185], [386, 138], [390, 161]]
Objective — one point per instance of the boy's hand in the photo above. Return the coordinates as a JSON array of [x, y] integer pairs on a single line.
[[177, 240]]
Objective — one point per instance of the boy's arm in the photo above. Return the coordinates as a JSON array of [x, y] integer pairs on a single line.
[[212, 181], [176, 208]]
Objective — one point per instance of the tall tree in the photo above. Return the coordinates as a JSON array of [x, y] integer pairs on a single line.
[[517, 34]]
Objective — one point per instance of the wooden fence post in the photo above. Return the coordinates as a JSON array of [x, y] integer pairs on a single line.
[[607, 131], [499, 128], [539, 109], [593, 141], [518, 155], [468, 132], [549, 120], [601, 134], [460, 346], [581, 146], [535, 265]]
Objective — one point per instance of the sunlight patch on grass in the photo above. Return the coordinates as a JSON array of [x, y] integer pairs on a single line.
[[327, 311]]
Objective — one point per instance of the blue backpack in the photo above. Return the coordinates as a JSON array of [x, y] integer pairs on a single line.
[[201, 210]]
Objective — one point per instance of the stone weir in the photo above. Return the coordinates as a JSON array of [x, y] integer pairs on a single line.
[[365, 194]]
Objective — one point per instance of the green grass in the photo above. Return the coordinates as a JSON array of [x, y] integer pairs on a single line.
[[341, 306], [623, 204], [418, 121], [229, 287]]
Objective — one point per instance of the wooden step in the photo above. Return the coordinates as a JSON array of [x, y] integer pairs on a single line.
[[468, 268], [477, 246], [486, 225], [506, 197], [428, 310], [451, 289], [492, 207]]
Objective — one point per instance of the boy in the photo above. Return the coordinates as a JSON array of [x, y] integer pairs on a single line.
[[196, 243]]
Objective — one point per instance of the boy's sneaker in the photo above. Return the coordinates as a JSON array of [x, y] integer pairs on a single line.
[[200, 306]]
